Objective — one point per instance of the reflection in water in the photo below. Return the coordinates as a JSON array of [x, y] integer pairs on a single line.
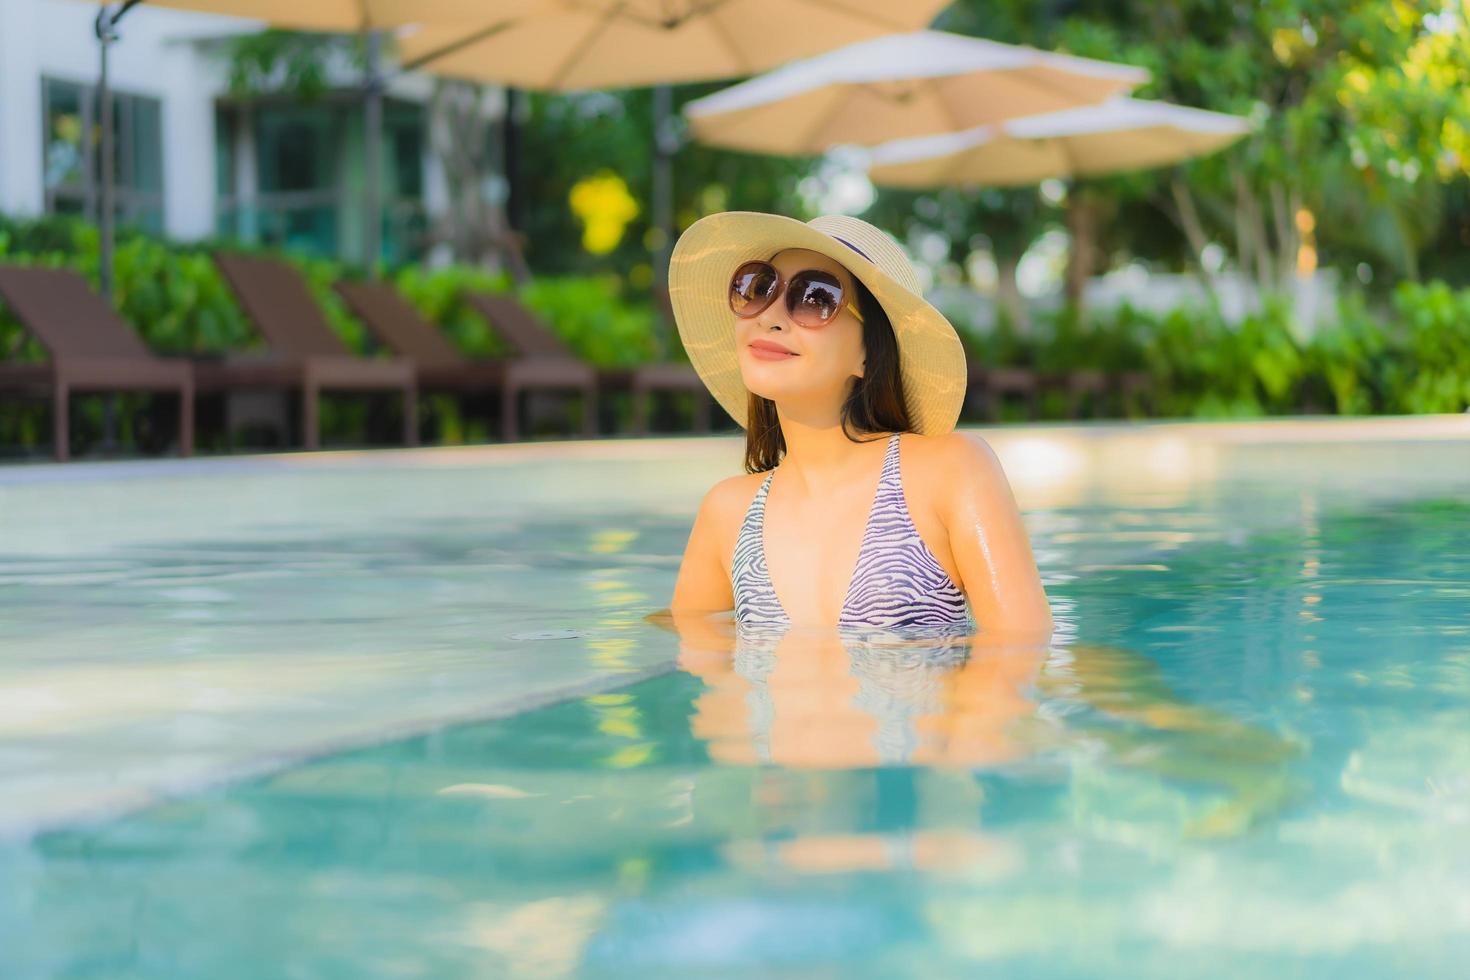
[[844, 699], [837, 702]]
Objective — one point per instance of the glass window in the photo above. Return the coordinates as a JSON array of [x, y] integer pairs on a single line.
[[405, 223], [224, 154], [142, 121], [297, 162], [71, 113], [309, 172], [296, 149], [64, 153], [403, 131]]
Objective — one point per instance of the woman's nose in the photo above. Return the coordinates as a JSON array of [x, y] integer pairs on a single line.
[[773, 316]]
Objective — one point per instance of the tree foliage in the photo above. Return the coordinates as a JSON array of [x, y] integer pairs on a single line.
[[1362, 112], [1360, 156]]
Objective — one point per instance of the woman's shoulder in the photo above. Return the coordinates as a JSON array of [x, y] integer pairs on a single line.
[[722, 513], [727, 501], [947, 450], [937, 468]]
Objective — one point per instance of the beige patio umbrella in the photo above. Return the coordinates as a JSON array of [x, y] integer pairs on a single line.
[[633, 43], [628, 43], [902, 85], [1120, 134]]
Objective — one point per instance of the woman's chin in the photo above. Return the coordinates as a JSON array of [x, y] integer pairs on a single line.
[[765, 383]]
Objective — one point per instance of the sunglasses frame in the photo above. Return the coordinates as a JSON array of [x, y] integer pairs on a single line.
[[782, 282]]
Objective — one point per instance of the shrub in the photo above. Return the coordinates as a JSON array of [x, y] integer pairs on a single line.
[[1412, 356]]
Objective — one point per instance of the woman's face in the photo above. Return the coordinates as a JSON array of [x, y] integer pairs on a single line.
[[822, 359]]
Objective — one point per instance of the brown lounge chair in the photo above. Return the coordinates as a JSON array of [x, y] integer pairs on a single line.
[[91, 349], [543, 361], [533, 338], [442, 367], [1103, 394], [1135, 390], [645, 379], [1084, 386], [305, 354], [667, 376], [993, 384], [526, 331]]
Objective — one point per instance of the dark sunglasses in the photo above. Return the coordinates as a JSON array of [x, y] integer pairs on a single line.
[[813, 297]]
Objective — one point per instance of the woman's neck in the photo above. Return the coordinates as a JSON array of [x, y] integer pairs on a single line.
[[821, 458]]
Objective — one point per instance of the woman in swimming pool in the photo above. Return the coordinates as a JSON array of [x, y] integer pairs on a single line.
[[815, 338]]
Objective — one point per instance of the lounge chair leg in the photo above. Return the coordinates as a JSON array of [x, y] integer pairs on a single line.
[[411, 416], [589, 411], [60, 422], [186, 420], [509, 396], [640, 411], [702, 411], [310, 416]]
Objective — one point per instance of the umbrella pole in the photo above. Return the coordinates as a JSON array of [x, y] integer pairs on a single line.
[[510, 157], [373, 148], [664, 144], [106, 28]]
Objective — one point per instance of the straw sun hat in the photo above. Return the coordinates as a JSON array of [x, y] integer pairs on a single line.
[[931, 357]]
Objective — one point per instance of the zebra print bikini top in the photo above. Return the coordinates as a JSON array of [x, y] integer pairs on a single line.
[[897, 582]]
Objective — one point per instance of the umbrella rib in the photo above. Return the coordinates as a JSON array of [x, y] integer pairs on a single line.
[[705, 10], [695, 10], [610, 15], [112, 20], [458, 44]]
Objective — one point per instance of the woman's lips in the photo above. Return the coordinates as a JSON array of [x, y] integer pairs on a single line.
[[770, 353]]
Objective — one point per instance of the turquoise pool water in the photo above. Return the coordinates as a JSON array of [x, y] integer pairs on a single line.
[[425, 731]]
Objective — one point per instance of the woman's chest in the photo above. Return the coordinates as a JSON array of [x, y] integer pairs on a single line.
[[816, 557]]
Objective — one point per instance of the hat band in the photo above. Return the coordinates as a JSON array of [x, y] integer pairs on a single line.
[[853, 247]]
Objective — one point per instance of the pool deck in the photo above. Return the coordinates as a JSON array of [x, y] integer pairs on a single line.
[[97, 719], [1268, 431]]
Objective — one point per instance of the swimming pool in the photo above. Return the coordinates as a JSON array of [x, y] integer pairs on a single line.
[[400, 714]]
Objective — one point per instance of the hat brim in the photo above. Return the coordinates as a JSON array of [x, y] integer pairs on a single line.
[[931, 356]]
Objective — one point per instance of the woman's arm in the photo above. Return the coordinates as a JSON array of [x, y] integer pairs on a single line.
[[989, 542], [703, 585]]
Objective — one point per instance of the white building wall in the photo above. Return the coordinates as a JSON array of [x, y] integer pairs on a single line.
[[158, 54], [20, 112], [154, 57]]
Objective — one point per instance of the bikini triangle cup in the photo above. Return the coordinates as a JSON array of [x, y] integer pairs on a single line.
[[896, 582]]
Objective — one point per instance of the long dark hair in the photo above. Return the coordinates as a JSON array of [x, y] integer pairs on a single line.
[[875, 404]]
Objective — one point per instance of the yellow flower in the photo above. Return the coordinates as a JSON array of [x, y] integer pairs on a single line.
[[605, 207]]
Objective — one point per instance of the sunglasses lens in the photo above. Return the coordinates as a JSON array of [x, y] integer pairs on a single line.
[[814, 298], [751, 288]]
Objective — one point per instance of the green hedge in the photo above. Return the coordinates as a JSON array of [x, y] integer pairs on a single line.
[[1410, 356], [176, 298]]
